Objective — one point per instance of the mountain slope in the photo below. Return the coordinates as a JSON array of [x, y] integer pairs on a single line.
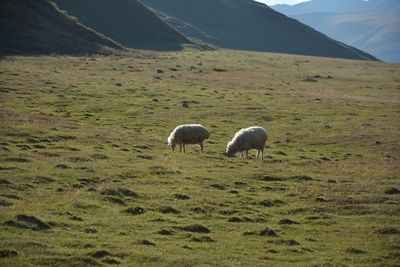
[[378, 34], [126, 21], [37, 27], [249, 25]]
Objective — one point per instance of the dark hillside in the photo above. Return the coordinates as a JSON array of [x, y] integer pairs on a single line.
[[37, 27], [126, 21], [249, 25]]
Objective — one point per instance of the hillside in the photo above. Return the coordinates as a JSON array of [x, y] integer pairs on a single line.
[[126, 21], [249, 25], [87, 178], [37, 27]]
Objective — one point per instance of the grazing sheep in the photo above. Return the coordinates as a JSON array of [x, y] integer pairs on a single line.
[[253, 137], [188, 134]]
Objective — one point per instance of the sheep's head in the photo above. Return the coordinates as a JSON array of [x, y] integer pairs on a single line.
[[172, 146], [230, 151], [171, 142]]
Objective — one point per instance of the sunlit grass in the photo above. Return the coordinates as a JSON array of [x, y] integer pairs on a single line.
[[75, 132]]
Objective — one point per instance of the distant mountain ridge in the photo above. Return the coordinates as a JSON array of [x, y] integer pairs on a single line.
[[37, 27], [249, 25], [339, 6], [126, 21], [372, 26]]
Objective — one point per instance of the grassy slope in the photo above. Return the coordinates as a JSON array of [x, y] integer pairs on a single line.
[[128, 22], [107, 119]]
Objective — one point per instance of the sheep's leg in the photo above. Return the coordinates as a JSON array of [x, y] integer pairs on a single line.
[[247, 154], [201, 147], [258, 153], [262, 153], [180, 148], [184, 148]]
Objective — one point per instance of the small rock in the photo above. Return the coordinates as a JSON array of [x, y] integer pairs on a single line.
[[8, 253], [288, 221], [355, 251], [197, 228], [392, 191], [166, 210], [321, 199], [76, 218], [388, 231], [146, 242], [111, 261], [202, 239], [5, 203], [332, 181], [62, 166], [3, 181], [268, 232], [100, 254], [134, 211], [235, 219], [218, 70], [181, 196], [218, 186], [166, 232]]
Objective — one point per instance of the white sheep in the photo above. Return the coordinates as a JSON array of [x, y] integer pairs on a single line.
[[188, 134], [253, 137]]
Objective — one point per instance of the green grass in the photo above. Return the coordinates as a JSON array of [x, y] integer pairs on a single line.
[[82, 140]]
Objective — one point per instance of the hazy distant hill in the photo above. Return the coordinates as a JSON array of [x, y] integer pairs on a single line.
[[249, 25], [340, 6], [37, 27], [126, 21], [372, 26], [376, 33]]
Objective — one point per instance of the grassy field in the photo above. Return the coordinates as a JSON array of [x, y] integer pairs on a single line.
[[86, 177]]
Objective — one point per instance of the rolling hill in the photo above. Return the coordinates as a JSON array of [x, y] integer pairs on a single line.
[[126, 21], [249, 25], [38, 27]]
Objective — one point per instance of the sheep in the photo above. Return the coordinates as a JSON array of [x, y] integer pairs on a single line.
[[253, 137], [188, 134]]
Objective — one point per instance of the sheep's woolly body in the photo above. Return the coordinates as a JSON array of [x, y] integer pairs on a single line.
[[245, 139], [188, 134]]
